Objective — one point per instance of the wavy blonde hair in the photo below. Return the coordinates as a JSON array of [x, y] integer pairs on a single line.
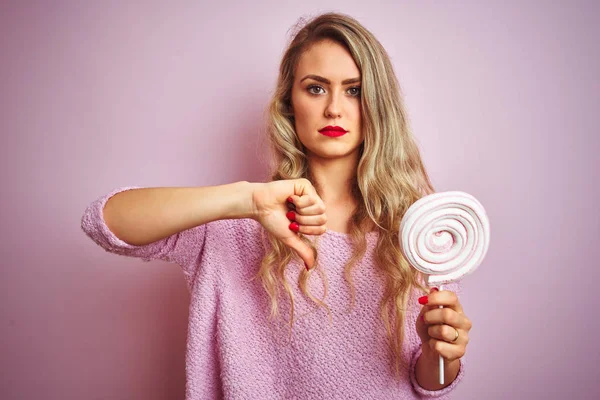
[[382, 198]]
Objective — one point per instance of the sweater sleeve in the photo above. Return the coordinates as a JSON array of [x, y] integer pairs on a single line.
[[183, 248], [455, 287]]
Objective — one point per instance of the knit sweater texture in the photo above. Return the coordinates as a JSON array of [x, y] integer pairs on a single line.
[[235, 352]]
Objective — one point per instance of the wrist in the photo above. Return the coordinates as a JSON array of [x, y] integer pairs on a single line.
[[432, 359], [427, 369], [428, 355], [247, 209]]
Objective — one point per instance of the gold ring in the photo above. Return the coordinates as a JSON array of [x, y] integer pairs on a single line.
[[456, 338]]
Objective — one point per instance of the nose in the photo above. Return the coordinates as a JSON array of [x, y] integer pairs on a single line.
[[333, 107]]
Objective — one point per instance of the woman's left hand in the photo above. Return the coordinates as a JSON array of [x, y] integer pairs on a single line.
[[445, 331]]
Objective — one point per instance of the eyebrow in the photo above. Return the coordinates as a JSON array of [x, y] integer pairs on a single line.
[[327, 81]]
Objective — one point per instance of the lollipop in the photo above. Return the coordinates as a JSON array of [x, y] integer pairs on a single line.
[[446, 236]]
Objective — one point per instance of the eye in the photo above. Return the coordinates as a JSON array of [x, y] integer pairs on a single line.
[[313, 89], [354, 91]]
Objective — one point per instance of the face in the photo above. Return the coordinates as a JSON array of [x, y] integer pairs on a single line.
[[326, 92]]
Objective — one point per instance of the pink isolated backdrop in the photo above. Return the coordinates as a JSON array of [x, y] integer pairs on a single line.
[[504, 100]]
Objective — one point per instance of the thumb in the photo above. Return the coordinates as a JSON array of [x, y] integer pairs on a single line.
[[302, 249]]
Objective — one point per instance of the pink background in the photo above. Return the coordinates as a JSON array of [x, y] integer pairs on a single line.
[[504, 99]]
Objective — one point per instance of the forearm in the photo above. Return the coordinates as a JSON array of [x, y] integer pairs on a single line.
[[427, 370], [145, 215]]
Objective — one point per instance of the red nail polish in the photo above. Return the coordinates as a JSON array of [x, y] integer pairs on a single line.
[[290, 200], [435, 289], [423, 300], [294, 226], [291, 215]]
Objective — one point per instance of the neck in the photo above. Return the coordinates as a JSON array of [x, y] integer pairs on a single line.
[[333, 179]]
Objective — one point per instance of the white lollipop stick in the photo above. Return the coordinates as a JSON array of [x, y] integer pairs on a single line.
[[446, 236], [441, 358]]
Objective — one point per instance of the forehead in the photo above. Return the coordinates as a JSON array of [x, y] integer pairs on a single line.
[[329, 60]]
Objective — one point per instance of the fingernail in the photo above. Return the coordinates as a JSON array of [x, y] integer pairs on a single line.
[[423, 300], [294, 226], [291, 215], [435, 289], [290, 200]]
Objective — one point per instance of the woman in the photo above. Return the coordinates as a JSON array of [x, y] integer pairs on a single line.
[[346, 170]]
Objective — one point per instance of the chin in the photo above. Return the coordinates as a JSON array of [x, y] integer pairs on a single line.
[[332, 155]]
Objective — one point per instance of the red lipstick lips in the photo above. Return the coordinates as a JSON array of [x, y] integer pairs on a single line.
[[333, 131]]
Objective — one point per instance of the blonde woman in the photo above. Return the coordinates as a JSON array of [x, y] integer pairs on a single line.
[[298, 287]]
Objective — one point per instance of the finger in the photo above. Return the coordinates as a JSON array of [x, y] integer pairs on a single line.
[[308, 203], [308, 230], [444, 298], [307, 197], [426, 307], [303, 192], [310, 220], [303, 186], [447, 350], [290, 203], [317, 208], [312, 230], [446, 316], [448, 334], [302, 249]]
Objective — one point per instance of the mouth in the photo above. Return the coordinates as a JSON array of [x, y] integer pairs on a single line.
[[333, 131]]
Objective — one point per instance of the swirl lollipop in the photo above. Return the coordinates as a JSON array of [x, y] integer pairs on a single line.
[[446, 236]]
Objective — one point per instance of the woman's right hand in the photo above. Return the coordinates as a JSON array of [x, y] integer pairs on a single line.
[[270, 209]]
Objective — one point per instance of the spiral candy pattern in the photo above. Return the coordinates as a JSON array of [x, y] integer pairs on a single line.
[[445, 235]]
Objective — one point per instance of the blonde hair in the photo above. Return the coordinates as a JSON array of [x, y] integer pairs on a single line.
[[382, 198]]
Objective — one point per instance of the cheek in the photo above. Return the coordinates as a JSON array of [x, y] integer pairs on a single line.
[[302, 113], [357, 110]]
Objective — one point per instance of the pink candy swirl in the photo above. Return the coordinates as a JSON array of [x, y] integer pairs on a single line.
[[445, 235]]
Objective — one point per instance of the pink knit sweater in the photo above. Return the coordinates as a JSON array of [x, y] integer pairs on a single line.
[[233, 352]]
